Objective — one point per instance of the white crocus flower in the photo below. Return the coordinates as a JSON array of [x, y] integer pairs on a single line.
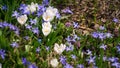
[[49, 14], [54, 62], [59, 48], [33, 7], [46, 28], [22, 19]]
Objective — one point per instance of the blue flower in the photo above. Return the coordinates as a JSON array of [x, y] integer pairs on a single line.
[[32, 66], [73, 56], [26, 37], [2, 53], [24, 9], [70, 47], [14, 44], [39, 13], [89, 52], [116, 64], [95, 34], [102, 36], [75, 25], [4, 7], [58, 16], [47, 48], [67, 10], [118, 48], [113, 59], [33, 21], [91, 59], [102, 28], [104, 58], [28, 27], [25, 62], [15, 14], [38, 49], [115, 20], [63, 60], [41, 8], [103, 46], [45, 2], [68, 66], [35, 30]]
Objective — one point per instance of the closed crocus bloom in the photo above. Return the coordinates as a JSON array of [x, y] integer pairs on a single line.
[[46, 31], [59, 48], [49, 14], [22, 19], [52, 11], [46, 28], [33, 7], [46, 24], [54, 62]]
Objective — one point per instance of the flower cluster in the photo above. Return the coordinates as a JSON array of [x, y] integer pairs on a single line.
[[39, 36], [10, 26], [101, 35]]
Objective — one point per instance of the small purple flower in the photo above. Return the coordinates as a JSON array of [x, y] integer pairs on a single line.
[[24, 9], [2, 53], [69, 39], [102, 28], [35, 30], [22, 6], [89, 52], [91, 59], [95, 34], [47, 48], [14, 44], [113, 59], [41, 8], [116, 64], [39, 13], [67, 10], [118, 48], [38, 49], [12, 27], [108, 35], [26, 37], [102, 36], [103, 46], [25, 62], [58, 16], [70, 47], [115, 20], [33, 21], [15, 14], [32, 66], [63, 60], [76, 37], [45, 2], [80, 66], [73, 56], [5, 24], [1, 25], [28, 27], [16, 32], [4, 7], [75, 25], [104, 58], [68, 66]]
